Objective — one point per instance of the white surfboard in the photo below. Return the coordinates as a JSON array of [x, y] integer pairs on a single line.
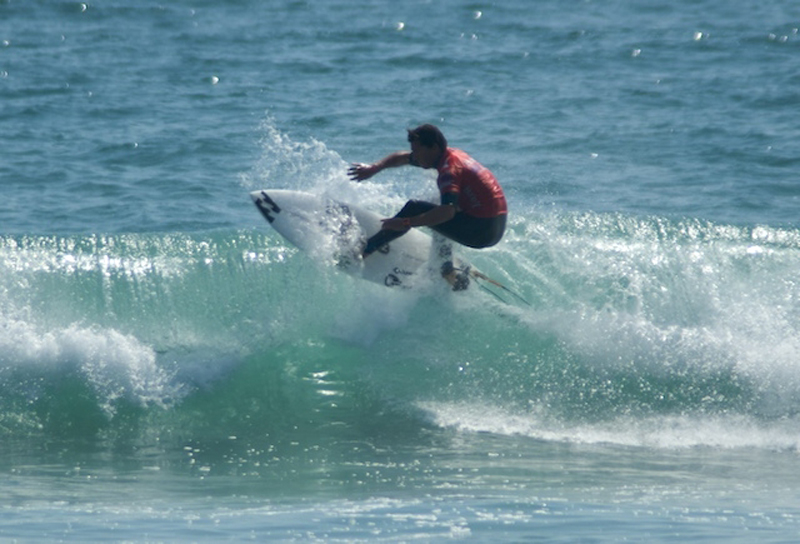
[[331, 230]]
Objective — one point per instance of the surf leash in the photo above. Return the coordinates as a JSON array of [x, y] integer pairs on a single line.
[[481, 276]]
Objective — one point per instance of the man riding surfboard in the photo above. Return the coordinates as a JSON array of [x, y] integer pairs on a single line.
[[472, 210]]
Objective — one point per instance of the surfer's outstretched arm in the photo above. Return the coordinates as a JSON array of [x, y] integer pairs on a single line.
[[361, 171]]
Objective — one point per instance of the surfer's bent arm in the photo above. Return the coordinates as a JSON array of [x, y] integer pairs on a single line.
[[360, 171]]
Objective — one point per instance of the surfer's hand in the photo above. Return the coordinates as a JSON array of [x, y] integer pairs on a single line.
[[359, 171]]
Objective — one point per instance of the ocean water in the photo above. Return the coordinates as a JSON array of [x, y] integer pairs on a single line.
[[171, 370]]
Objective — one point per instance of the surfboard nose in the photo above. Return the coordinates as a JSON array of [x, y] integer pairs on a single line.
[[265, 205]]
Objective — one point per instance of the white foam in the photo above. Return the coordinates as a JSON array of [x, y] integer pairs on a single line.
[[668, 431], [117, 365], [289, 164], [309, 165]]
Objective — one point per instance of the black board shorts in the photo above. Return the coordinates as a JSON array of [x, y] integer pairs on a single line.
[[464, 229]]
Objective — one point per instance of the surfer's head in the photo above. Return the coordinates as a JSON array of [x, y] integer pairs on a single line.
[[427, 145]]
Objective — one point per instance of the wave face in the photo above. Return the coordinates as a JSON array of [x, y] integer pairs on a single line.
[[641, 331]]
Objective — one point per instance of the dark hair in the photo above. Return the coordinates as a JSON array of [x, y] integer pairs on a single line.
[[428, 135]]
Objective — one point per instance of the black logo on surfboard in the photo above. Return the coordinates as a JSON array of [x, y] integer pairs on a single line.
[[393, 279], [267, 207]]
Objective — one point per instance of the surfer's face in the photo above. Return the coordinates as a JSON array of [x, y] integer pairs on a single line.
[[424, 156]]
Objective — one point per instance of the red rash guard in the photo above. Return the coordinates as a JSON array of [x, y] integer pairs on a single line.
[[470, 185]]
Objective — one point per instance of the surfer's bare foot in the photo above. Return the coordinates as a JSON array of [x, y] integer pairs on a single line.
[[458, 278]]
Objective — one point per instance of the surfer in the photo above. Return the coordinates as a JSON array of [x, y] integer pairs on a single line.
[[472, 211]]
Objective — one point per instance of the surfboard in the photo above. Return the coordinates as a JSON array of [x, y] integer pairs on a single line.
[[335, 232]]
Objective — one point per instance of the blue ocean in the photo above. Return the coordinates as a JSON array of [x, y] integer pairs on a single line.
[[173, 370]]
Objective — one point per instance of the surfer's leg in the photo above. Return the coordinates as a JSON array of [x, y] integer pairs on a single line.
[[441, 257], [415, 207], [442, 247], [468, 231], [443, 261], [384, 236], [380, 239], [474, 232]]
